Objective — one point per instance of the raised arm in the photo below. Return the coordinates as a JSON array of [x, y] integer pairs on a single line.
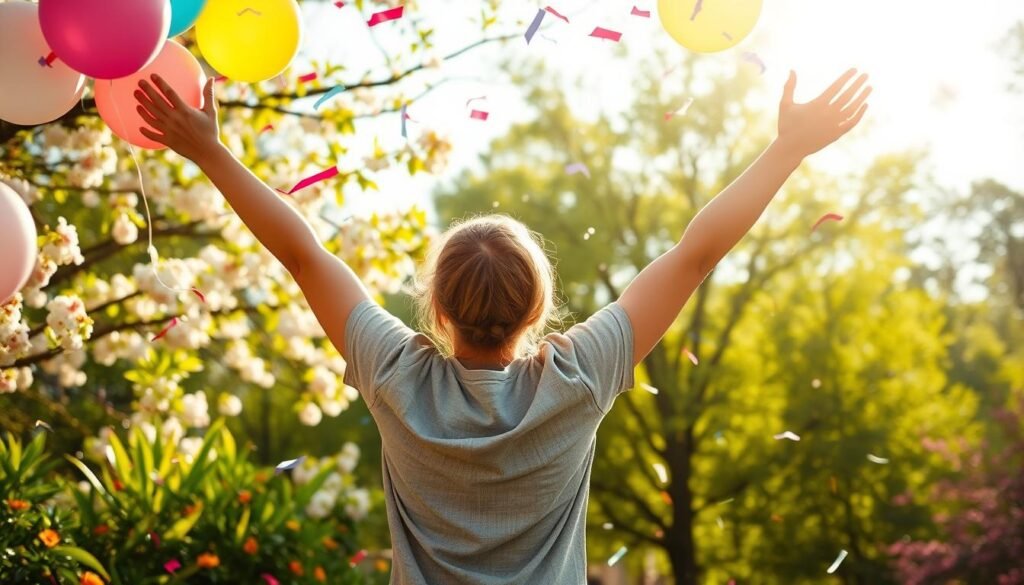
[[655, 297], [329, 285]]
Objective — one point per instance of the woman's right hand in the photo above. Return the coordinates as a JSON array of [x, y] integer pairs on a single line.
[[807, 128], [190, 132]]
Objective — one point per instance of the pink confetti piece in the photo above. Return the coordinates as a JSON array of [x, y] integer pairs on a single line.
[[220, 78], [532, 29], [155, 539], [689, 354], [386, 15], [289, 464], [265, 128], [577, 168], [754, 59], [199, 294], [339, 4], [607, 34], [270, 579], [681, 111], [359, 556], [48, 60], [171, 325], [479, 115], [556, 13], [172, 566], [321, 176], [790, 435], [308, 77], [696, 9], [826, 217], [641, 13]]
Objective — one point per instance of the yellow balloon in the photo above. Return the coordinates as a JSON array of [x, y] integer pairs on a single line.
[[709, 26], [249, 40]]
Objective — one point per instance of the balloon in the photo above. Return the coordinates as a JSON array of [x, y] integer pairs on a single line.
[[183, 15], [105, 39], [33, 93], [249, 40], [115, 99], [708, 26], [18, 242]]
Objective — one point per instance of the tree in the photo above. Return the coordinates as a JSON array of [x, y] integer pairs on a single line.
[[817, 333]]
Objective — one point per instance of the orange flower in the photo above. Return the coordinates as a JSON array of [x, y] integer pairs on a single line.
[[296, 568], [330, 543], [251, 547], [90, 578], [292, 525], [208, 561], [101, 530], [381, 565], [245, 496], [320, 575], [50, 538], [18, 505]]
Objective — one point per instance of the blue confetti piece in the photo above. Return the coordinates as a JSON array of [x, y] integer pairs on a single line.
[[333, 92], [532, 30], [290, 464], [404, 117]]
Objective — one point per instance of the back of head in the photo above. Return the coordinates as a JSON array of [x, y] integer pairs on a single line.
[[488, 282]]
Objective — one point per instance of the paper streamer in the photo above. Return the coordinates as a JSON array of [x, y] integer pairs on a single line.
[[289, 464], [877, 459], [577, 168], [168, 327], [837, 562], [681, 111], [330, 93], [826, 217], [641, 13], [308, 77], [556, 13], [532, 29], [649, 388], [386, 15], [786, 435], [321, 176], [199, 294], [479, 115], [690, 356], [607, 34], [617, 556], [754, 59], [48, 60]]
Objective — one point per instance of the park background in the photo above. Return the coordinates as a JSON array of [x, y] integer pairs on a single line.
[[891, 342]]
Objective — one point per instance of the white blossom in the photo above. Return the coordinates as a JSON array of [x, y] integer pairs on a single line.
[[321, 504], [229, 405], [358, 504], [310, 414], [68, 321], [124, 231], [195, 410]]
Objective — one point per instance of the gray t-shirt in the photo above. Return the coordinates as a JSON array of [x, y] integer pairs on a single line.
[[487, 473]]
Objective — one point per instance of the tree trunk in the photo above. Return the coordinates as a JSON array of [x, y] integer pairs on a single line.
[[682, 551]]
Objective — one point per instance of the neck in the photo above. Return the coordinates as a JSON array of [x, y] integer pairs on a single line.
[[484, 359]]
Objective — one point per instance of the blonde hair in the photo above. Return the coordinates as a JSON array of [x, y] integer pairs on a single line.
[[488, 281]]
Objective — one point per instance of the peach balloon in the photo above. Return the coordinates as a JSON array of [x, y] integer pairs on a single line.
[[115, 99], [17, 243]]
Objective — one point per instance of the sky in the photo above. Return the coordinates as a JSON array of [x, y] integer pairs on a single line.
[[940, 71]]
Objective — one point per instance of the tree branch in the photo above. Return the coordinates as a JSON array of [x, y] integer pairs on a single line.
[[631, 497]]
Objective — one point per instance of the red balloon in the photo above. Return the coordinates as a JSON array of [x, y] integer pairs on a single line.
[[105, 39], [115, 99]]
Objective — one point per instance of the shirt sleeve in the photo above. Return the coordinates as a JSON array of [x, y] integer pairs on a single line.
[[603, 346], [374, 342]]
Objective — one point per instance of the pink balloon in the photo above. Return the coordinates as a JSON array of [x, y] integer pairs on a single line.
[[105, 39], [17, 241], [115, 99]]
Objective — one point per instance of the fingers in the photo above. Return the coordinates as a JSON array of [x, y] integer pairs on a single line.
[[157, 104], [833, 90], [154, 136], [849, 124], [172, 96], [855, 105], [149, 118], [844, 98], [789, 89], [209, 100]]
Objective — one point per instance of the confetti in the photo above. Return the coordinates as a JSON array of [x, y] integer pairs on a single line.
[[696, 9], [532, 29], [618, 555], [289, 464], [249, 9], [270, 579], [786, 435], [339, 4], [308, 77], [172, 565], [198, 293], [878, 460], [727, 36], [43, 424], [386, 15], [330, 93], [690, 356], [477, 98], [404, 118], [662, 473], [547, 38], [220, 78], [665, 497], [682, 109], [155, 539], [579, 167], [321, 176], [478, 115], [267, 127], [174, 321], [826, 217], [357, 557], [556, 13], [720, 523], [604, 33], [48, 60], [754, 59], [837, 562], [649, 388], [641, 13], [607, 526]]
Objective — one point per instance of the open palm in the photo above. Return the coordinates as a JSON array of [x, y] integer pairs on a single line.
[[807, 128]]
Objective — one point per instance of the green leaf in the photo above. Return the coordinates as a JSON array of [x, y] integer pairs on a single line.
[[243, 525], [182, 527], [82, 557], [89, 475]]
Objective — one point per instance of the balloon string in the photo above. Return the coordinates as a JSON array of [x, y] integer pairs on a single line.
[[154, 257]]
